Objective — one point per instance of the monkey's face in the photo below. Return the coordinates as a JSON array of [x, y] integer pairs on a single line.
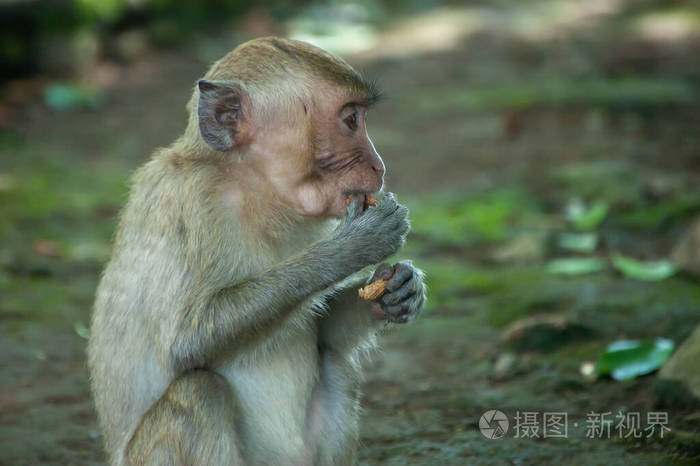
[[317, 153], [345, 161], [314, 153]]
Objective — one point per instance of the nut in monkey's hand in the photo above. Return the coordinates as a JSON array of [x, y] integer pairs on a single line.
[[375, 289]]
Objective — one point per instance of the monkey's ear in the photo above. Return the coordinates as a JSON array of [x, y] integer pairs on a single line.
[[222, 120]]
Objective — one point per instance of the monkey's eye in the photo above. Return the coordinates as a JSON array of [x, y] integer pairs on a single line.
[[351, 121]]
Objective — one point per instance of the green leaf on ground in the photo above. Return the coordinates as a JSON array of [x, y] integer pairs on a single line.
[[81, 330], [575, 265], [586, 218], [649, 271], [66, 97], [579, 242], [627, 359]]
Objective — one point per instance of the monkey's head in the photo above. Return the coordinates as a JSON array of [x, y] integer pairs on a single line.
[[296, 114]]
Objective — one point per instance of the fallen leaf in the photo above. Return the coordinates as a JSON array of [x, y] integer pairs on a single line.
[[65, 97], [627, 359], [586, 218], [81, 330], [575, 265], [579, 242], [649, 271]]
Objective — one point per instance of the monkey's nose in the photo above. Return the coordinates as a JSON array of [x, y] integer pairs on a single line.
[[377, 165]]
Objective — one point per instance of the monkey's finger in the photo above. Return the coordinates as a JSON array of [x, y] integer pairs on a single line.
[[408, 307], [398, 314], [398, 296], [356, 206], [403, 227], [389, 197], [388, 205], [402, 273], [383, 272]]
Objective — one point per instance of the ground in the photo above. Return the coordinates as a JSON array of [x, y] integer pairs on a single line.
[[488, 139]]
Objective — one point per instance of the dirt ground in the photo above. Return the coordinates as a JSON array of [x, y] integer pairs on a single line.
[[487, 140]]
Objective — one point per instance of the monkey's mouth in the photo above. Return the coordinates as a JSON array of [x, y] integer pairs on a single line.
[[370, 201]]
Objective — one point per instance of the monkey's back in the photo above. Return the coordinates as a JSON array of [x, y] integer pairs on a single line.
[[161, 251], [143, 283]]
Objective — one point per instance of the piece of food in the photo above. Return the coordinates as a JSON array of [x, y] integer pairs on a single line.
[[370, 201], [375, 289]]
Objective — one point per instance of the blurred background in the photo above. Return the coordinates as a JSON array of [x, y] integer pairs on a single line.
[[549, 152]]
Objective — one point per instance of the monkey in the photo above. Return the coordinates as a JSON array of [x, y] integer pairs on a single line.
[[226, 328]]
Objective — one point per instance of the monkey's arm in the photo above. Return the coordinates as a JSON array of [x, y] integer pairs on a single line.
[[213, 319], [216, 318], [351, 320]]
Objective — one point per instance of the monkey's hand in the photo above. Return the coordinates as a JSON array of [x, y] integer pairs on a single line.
[[405, 294], [369, 236]]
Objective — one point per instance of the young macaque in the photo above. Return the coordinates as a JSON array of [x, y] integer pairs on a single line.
[[227, 329]]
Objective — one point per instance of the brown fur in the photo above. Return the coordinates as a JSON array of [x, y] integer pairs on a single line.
[[226, 329]]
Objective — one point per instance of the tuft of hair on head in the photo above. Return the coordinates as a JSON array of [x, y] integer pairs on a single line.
[[373, 91], [268, 61]]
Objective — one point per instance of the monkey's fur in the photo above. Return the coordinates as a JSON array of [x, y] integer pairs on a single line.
[[227, 328]]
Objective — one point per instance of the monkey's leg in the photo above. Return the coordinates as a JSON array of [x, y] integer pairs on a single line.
[[335, 408], [191, 424], [345, 332]]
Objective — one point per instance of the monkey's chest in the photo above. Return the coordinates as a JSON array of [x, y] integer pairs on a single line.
[[273, 389]]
